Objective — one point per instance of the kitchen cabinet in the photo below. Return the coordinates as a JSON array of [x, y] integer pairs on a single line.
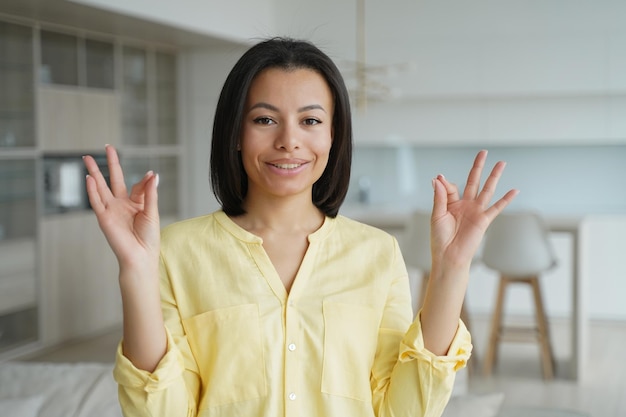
[[18, 191], [18, 264], [67, 92], [72, 120], [17, 109], [18, 293], [135, 101], [79, 108], [80, 283], [149, 103]]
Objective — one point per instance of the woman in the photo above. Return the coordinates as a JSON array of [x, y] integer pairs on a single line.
[[275, 305]]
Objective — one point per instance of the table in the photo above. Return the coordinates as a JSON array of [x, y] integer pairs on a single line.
[[572, 225]]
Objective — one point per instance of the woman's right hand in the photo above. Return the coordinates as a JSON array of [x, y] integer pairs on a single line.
[[130, 222]]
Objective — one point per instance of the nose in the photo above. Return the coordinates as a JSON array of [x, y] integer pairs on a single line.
[[287, 137]]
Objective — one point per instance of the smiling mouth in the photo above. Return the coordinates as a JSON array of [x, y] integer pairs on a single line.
[[286, 166]]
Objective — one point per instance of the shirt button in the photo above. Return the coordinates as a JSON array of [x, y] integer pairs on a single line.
[[292, 396], [291, 347]]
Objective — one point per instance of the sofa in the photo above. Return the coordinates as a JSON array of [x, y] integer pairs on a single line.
[[36, 389]]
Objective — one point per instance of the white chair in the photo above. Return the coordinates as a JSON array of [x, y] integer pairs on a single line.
[[517, 246], [416, 252]]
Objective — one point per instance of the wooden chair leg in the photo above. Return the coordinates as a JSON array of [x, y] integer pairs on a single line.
[[547, 357], [496, 324]]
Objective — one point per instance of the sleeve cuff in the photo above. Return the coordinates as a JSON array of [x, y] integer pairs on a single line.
[[412, 348], [169, 369]]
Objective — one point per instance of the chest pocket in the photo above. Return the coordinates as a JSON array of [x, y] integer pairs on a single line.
[[350, 337], [227, 346]]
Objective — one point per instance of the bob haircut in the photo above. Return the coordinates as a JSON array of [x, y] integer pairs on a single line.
[[229, 180]]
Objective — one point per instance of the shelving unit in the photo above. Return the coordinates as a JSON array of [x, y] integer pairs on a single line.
[[18, 189], [69, 92]]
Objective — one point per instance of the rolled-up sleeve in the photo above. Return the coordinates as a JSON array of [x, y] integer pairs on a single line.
[[407, 379], [172, 389], [420, 381]]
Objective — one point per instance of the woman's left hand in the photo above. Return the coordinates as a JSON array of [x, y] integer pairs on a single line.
[[458, 223]]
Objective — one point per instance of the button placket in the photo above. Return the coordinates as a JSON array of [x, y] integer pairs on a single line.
[[291, 357]]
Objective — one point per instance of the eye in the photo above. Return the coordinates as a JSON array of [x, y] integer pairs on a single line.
[[311, 121], [264, 121]]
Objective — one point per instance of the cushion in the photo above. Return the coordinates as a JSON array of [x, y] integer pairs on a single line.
[[474, 405], [21, 407]]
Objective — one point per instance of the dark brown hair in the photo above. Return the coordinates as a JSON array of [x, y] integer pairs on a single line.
[[228, 177]]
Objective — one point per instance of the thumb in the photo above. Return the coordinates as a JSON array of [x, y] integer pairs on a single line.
[[151, 204], [440, 199]]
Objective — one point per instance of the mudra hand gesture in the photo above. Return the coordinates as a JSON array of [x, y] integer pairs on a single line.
[[130, 222], [458, 224]]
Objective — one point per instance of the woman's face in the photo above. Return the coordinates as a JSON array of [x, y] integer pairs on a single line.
[[287, 132]]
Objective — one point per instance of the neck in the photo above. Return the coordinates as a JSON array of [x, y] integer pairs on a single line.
[[281, 215]]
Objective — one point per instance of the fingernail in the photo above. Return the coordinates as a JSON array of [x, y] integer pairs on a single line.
[[157, 180], [433, 182]]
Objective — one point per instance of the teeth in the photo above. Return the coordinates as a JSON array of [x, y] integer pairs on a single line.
[[287, 166]]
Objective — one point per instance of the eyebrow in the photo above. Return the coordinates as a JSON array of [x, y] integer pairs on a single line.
[[263, 105]]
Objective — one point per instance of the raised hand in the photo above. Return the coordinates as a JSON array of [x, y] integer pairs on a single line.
[[131, 226], [458, 222], [129, 222]]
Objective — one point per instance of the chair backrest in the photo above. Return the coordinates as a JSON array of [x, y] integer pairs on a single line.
[[416, 241], [517, 244]]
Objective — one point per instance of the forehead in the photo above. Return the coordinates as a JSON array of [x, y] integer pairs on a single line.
[[300, 84]]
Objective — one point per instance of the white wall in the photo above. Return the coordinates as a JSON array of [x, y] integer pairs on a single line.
[[202, 73], [530, 72], [237, 20]]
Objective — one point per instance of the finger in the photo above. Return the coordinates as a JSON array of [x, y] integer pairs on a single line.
[[440, 199], [94, 196], [473, 179], [118, 186], [445, 193], [151, 206], [452, 190], [497, 207], [103, 190], [489, 189], [138, 191]]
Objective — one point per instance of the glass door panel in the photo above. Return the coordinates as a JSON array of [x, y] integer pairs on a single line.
[[16, 84], [59, 58], [100, 65], [135, 96], [166, 99]]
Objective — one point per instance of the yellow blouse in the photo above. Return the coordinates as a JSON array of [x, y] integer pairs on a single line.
[[341, 343]]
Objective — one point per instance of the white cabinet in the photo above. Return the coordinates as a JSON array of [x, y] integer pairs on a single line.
[[79, 279], [71, 119]]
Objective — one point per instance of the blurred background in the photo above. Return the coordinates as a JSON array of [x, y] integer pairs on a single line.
[[541, 84]]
